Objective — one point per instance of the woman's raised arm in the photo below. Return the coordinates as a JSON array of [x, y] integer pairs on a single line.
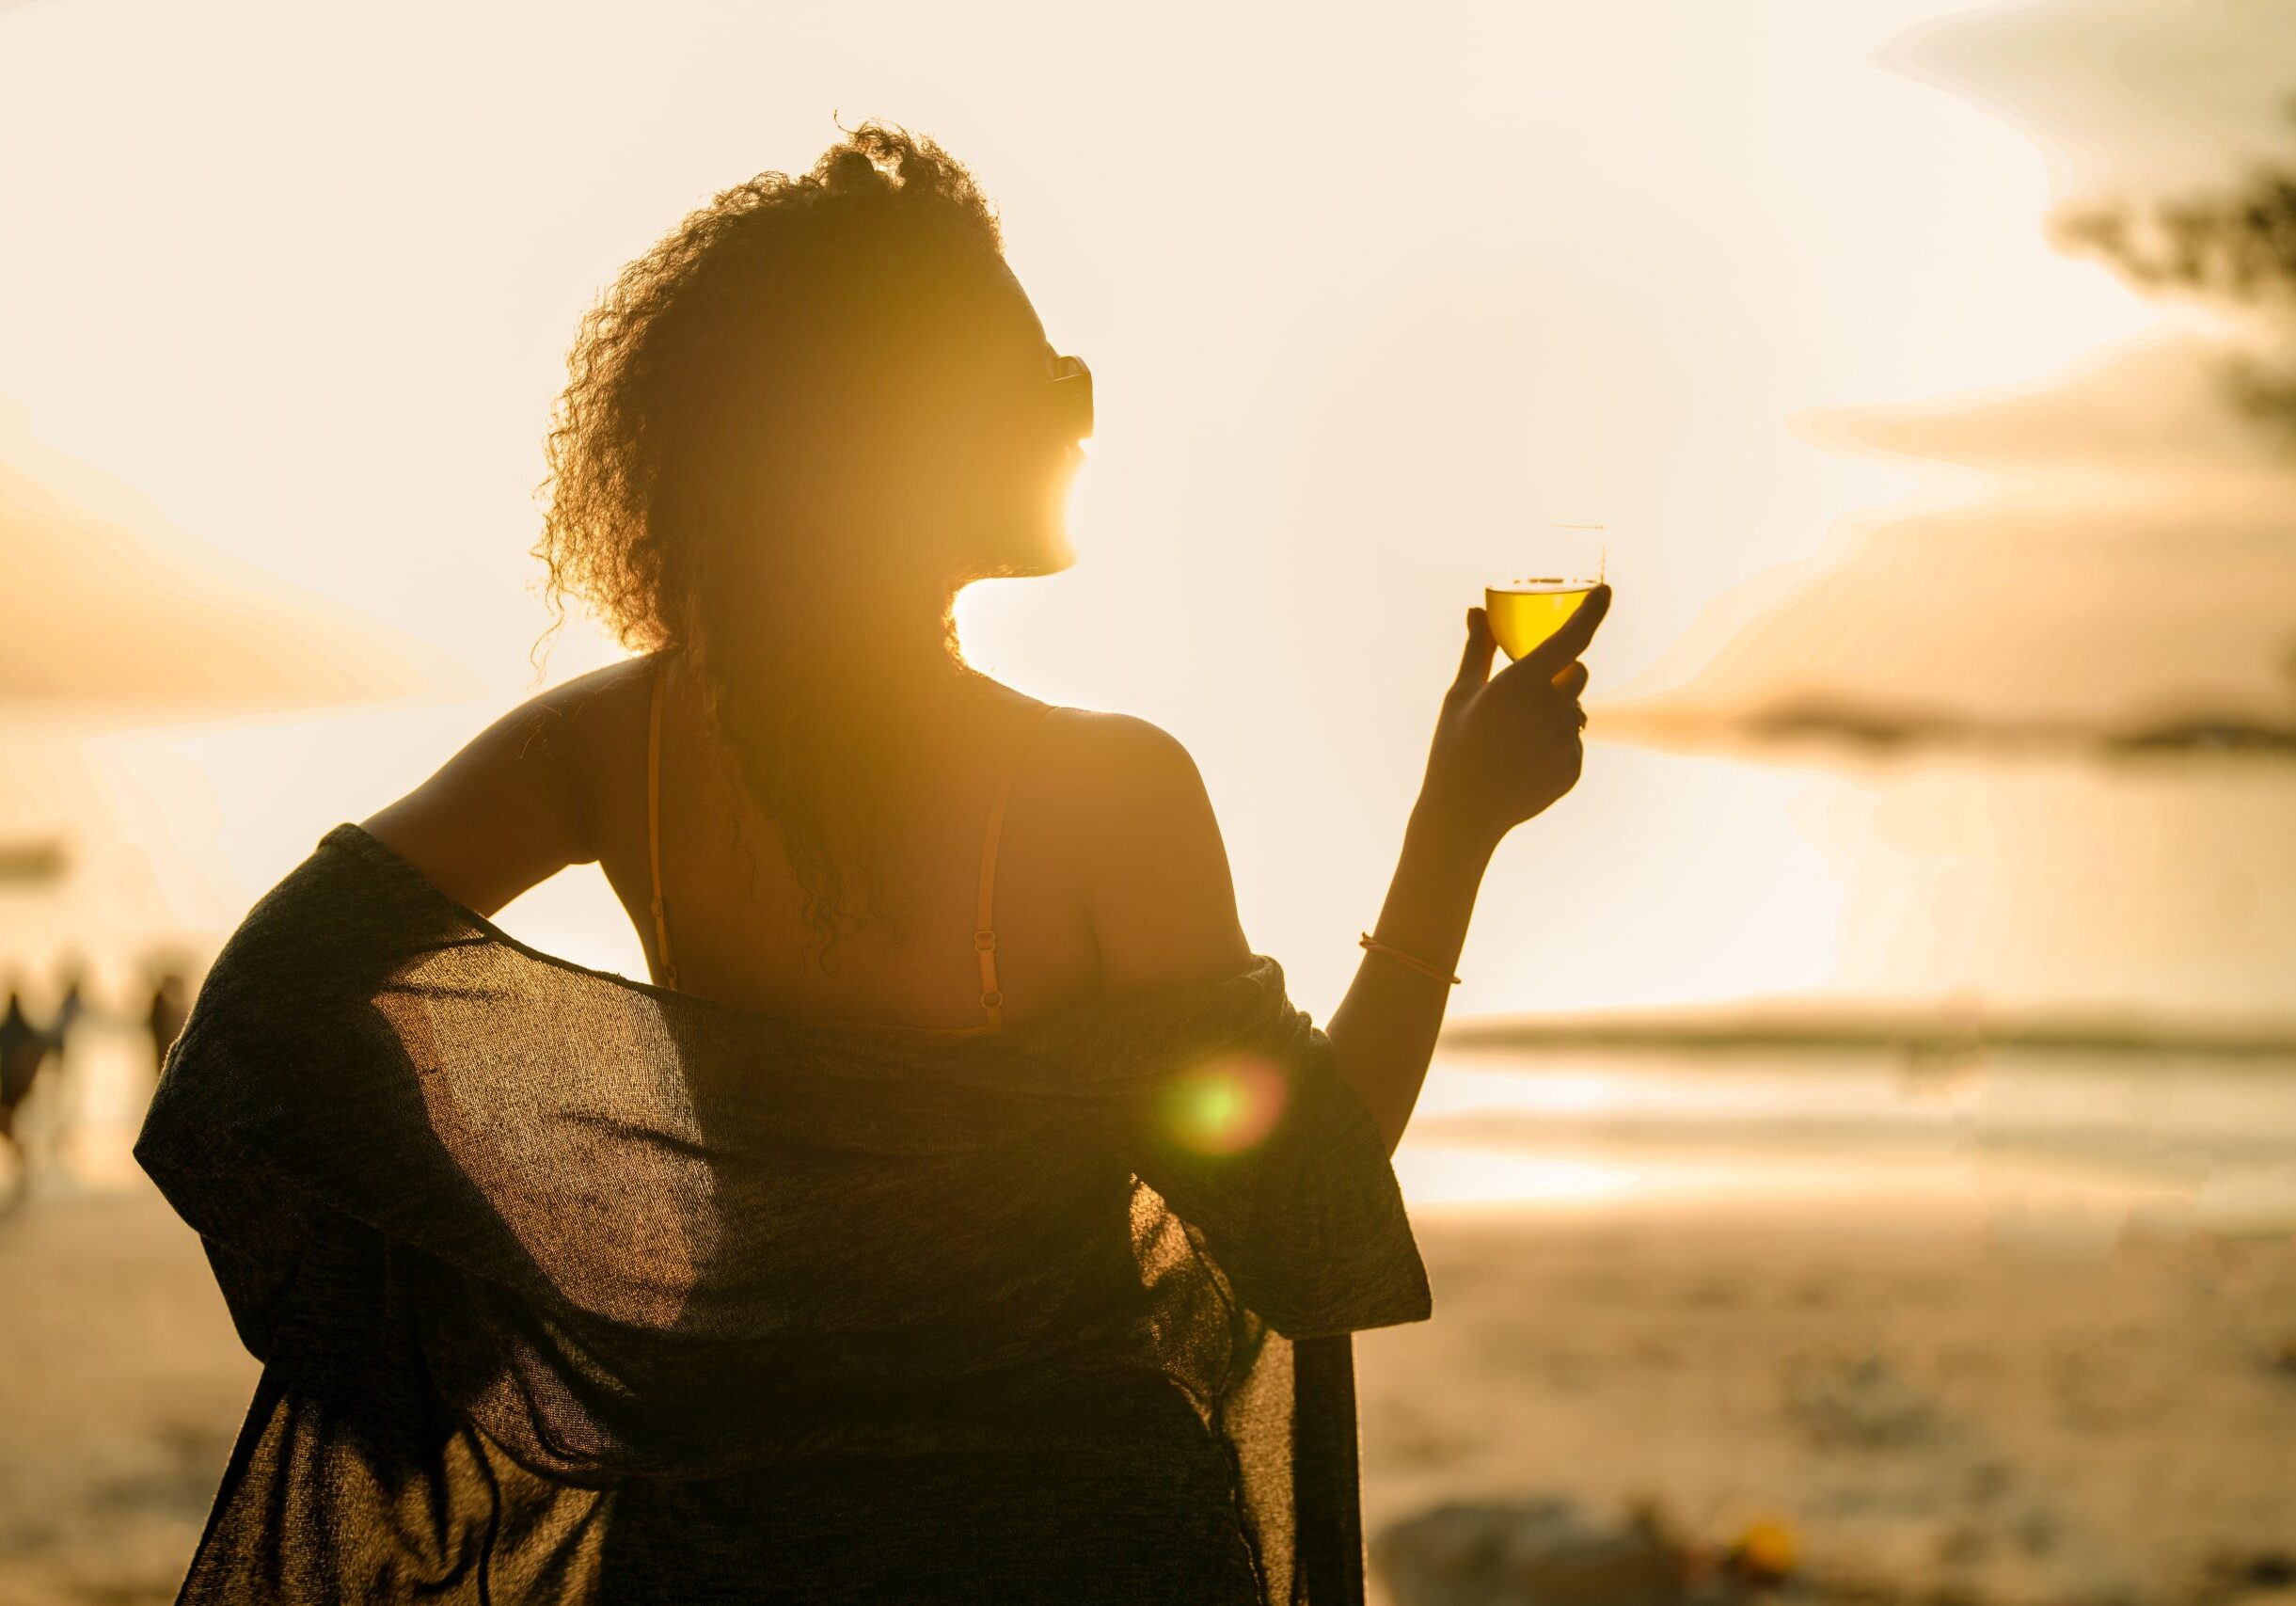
[[1505, 747]]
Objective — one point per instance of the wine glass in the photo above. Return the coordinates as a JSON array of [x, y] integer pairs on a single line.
[[1549, 572]]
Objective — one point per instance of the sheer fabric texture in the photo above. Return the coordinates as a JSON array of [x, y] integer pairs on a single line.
[[573, 1288]]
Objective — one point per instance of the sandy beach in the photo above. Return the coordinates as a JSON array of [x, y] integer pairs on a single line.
[[1934, 1417], [121, 1388]]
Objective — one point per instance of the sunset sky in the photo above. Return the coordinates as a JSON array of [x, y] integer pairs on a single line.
[[1762, 286]]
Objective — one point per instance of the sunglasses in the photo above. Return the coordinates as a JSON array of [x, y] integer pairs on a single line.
[[1067, 392]]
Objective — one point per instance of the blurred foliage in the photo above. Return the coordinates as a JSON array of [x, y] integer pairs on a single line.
[[2234, 249]]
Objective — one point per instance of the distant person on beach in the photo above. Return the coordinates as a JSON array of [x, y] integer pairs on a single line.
[[71, 1009], [164, 1015], [25, 1047], [962, 1210], [70, 1006]]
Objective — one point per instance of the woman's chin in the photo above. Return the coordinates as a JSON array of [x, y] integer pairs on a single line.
[[1056, 554]]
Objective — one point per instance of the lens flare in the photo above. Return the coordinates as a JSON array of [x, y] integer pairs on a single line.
[[1226, 1103]]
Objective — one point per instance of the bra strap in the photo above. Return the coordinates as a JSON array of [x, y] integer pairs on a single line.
[[984, 933], [661, 920]]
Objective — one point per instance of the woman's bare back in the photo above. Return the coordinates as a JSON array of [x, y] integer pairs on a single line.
[[732, 913], [1109, 876]]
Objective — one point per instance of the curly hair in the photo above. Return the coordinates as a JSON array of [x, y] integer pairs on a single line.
[[734, 401]]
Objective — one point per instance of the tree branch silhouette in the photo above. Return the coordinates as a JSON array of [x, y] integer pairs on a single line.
[[2233, 248]]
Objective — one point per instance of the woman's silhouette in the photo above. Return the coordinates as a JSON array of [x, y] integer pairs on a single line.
[[795, 429]]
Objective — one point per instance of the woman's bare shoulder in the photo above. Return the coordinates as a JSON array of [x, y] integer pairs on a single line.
[[1153, 865], [1118, 776], [1092, 740]]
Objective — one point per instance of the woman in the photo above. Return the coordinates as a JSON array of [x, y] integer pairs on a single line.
[[962, 1211]]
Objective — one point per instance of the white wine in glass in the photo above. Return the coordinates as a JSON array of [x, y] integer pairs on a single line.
[[1560, 563]]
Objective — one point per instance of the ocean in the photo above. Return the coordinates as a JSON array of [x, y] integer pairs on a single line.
[[2145, 907]]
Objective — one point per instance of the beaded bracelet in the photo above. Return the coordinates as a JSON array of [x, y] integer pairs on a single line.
[[1420, 965]]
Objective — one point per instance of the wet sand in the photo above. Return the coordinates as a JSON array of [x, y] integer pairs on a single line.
[[1935, 1416]]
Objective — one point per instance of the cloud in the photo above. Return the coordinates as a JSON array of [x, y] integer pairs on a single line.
[[2123, 95], [104, 604], [2112, 543], [2154, 406]]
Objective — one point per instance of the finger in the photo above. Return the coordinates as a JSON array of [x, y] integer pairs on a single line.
[[1571, 640], [1572, 681], [1560, 726], [1475, 659]]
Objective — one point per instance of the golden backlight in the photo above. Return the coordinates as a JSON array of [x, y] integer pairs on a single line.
[[1867, 1121]]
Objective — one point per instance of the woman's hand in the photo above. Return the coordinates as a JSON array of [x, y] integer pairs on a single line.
[[1508, 745]]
